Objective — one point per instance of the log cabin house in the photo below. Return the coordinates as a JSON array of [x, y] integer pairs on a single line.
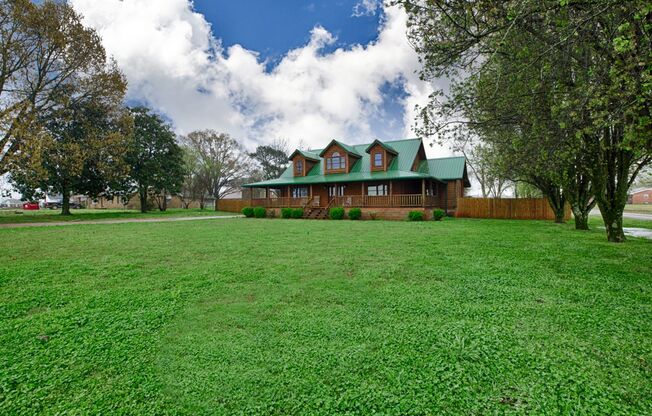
[[389, 178]]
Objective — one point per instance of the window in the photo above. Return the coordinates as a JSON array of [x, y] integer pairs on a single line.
[[378, 160], [299, 167], [299, 192], [377, 190], [336, 162], [335, 190]]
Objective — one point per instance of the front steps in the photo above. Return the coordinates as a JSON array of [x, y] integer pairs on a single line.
[[316, 214]]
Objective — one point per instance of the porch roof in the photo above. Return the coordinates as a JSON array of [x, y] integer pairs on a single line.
[[399, 169]]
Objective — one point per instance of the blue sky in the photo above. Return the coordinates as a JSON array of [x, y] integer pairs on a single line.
[[273, 27], [303, 71]]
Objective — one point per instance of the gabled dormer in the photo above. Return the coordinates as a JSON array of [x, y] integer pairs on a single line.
[[419, 157], [339, 157], [380, 156], [303, 162]]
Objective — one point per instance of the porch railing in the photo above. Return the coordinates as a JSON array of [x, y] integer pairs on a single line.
[[286, 202], [385, 201], [349, 201]]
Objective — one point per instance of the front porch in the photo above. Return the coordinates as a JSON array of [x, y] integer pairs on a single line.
[[378, 194], [349, 201]]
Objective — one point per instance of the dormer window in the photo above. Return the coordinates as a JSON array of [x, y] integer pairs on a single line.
[[378, 160], [336, 161], [299, 167]]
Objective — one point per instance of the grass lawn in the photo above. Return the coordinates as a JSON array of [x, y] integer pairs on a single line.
[[246, 316], [641, 209], [13, 216]]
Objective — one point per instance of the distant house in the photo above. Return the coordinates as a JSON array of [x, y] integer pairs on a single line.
[[11, 203], [380, 175], [640, 196]]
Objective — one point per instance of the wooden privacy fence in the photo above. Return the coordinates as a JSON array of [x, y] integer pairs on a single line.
[[231, 205], [507, 208]]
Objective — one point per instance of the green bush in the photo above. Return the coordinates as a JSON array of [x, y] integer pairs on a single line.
[[297, 213], [248, 212], [286, 212], [438, 214], [415, 216], [260, 212], [355, 213], [336, 213]]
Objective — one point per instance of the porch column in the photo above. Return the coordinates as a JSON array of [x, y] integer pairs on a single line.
[[423, 193]]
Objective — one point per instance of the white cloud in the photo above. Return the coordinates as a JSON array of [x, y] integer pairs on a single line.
[[173, 62], [366, 8]]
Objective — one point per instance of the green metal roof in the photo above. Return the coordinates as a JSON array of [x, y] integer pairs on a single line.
[[399, 169], [445, 168], [383, 145], [347, 148], [307, 155]]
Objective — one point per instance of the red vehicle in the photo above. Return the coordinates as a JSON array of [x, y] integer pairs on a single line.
[[31, 206]]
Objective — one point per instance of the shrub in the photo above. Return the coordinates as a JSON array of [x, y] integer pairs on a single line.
[[373, 215], [286, 212], [415, 216], [355, 213], [272, 213], [260, 212], [438, 214], [248, 212], [336, 213], [297, 213]]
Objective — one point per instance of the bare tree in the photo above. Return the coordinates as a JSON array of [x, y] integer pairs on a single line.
[[482, 164], [222, 163]]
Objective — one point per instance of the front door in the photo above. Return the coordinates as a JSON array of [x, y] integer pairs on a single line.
[[335, 190]]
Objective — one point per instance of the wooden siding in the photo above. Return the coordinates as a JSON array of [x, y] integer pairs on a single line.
[[378, 149], [329, 153], [507, 208]]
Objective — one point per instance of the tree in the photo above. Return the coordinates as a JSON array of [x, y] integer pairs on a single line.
[[583, 69], [155, 159], [81, 143], [481, 159], [44, 48], [222, 162], [272, 159], [195, 185]]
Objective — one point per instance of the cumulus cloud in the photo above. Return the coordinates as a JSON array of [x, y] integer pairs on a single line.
[[174, 63], [366, 8]]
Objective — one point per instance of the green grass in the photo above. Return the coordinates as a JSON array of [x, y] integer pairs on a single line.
[[249, 316], [641, 209], [595, 221], [15, 216]]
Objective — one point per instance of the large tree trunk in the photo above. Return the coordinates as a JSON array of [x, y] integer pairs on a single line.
[[612, 178], [142, 192], [613, 223], [65, 202], [581, 218], [580, 195], [556, 199], [163, 206]]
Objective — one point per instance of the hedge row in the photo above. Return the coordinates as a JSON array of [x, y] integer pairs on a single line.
[[336, 213]]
